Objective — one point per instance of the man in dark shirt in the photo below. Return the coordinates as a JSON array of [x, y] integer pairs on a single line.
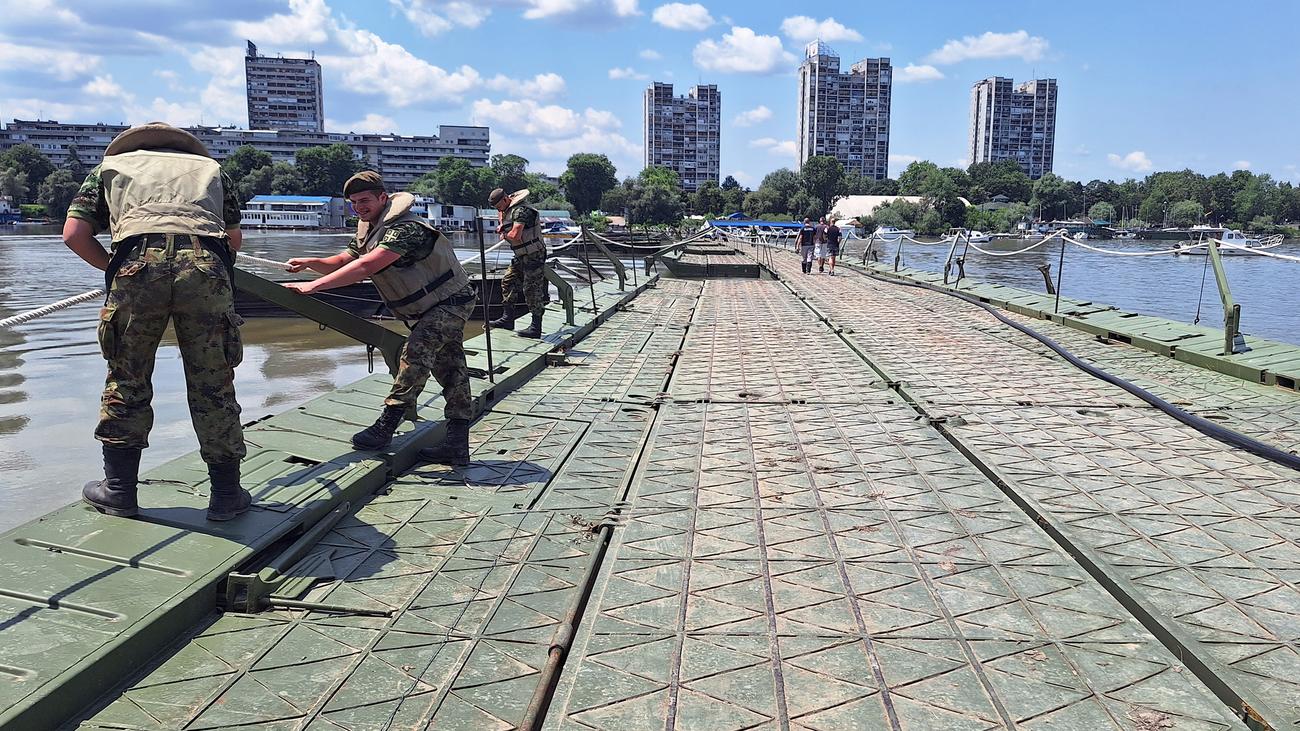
[[832, 243], [821, 244], [807, 244]]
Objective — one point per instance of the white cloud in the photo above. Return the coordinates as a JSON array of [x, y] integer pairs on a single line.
[[528, 117], [541, 86], [1136, 161], [912, 73], [104, 86], [181, 114], [60, 64], [627, 73], [370, 124], [751, 117], [991, 45], [902, 160], [420, 81], [774, 146], [803, 29], [224, 97], [745, 179], [46, 109], [307, 22], [742, 52], [683, 16], [434, 17], [625, 8], [1241, 165], [650, 54]]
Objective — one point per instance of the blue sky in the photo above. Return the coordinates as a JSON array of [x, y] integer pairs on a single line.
[[1143, 85]]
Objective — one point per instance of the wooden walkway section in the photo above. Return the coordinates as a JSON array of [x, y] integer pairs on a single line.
[[813, 503]]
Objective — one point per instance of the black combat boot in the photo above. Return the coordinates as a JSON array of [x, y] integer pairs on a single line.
[[534, 330], [379, 434], [454, 448], [115, 494], [226, 498], [507, 319]]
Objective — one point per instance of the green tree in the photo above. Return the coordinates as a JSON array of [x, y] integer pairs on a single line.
[[324, 170], [1185, 213], [1102, 212], [586, 178], [30, 161], [553, 203], [884, 186], [460, 183], [1002, 177], [960, 179], [56, 193], [74, 165], [1052, 195], [1259, 197], [656, 197], [540, 188], [510, 171], [708, 199], [250, 170], [822, 176], [1164, 189], [617, 200], [260, 181], [286, 180], [733, 200], [914, 178], [13, 184], [730, 183]]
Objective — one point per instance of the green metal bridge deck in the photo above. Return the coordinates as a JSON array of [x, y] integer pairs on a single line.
[[810, 503]]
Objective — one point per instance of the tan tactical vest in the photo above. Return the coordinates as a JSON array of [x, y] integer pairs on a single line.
[[162, 192], [412, 291], [532, 237]]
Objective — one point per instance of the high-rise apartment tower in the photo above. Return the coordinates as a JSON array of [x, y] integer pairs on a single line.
[[1014, 123], [681, 132], [845, 115], [284, 93]]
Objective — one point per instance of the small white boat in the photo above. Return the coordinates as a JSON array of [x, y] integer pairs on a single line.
[[1125, 234], [1231, 243], [889, 233], [974, 237]]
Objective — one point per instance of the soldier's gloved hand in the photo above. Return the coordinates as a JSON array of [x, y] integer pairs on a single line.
[[297, 265]]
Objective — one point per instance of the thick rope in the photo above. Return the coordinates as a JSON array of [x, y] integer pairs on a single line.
[[63, 304]]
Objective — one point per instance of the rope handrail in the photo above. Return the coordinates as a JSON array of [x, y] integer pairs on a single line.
[[62, 304]]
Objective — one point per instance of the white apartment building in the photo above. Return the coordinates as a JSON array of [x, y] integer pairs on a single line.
[[682, 132], [1014, 123], [845, 115], [294, 212]]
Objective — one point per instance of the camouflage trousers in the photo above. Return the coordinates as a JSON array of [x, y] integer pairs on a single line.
[[172, 279], [525, 281], [436, 347]]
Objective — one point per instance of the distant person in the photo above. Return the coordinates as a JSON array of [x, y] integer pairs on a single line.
[[414, 267], [807, 244], [525, 279], [173, 218], [820, 238], [833, 236]]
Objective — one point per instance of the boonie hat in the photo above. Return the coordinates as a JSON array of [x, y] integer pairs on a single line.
[[155, 136], [516, 197]]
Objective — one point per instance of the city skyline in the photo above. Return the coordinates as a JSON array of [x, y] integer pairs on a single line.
[[569, 77]]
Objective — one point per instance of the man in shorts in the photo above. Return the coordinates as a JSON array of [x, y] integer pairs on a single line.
[[807, 235], [832, 243]]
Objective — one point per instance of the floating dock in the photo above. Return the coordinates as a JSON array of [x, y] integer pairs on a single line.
[[797, 502]]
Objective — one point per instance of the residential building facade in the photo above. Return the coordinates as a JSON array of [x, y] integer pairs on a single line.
[[400, 159], [682, 132], [845, 114], [283, 93], [1010, 122]]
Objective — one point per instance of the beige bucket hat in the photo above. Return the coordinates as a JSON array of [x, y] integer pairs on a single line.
[[153, 136], [517, 197]]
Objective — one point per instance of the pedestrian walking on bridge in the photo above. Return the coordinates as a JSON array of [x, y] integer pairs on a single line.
[[525, 279], [807, 244], [833, 238], [173, 218], [414, 267]]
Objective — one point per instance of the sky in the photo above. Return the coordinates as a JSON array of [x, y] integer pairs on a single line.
[[1143, 86]]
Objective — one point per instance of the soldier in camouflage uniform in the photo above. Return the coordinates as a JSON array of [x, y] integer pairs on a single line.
[[174, 222], [525, 280], [414, 268]]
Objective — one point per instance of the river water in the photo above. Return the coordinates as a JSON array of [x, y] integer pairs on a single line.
[[51, 372]]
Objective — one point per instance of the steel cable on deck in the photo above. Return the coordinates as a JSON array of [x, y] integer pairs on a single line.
[[1205, 426]]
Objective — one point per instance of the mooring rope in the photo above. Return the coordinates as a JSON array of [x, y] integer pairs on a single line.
[[62, 304]]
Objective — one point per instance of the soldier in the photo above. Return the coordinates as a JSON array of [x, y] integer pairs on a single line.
[[525, 280], [173, 217], [414, 267]]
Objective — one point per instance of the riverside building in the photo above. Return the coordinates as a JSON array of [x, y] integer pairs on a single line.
[[681, 132], [845, 114], [400, 159], [1014, 123], [284, 93]]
